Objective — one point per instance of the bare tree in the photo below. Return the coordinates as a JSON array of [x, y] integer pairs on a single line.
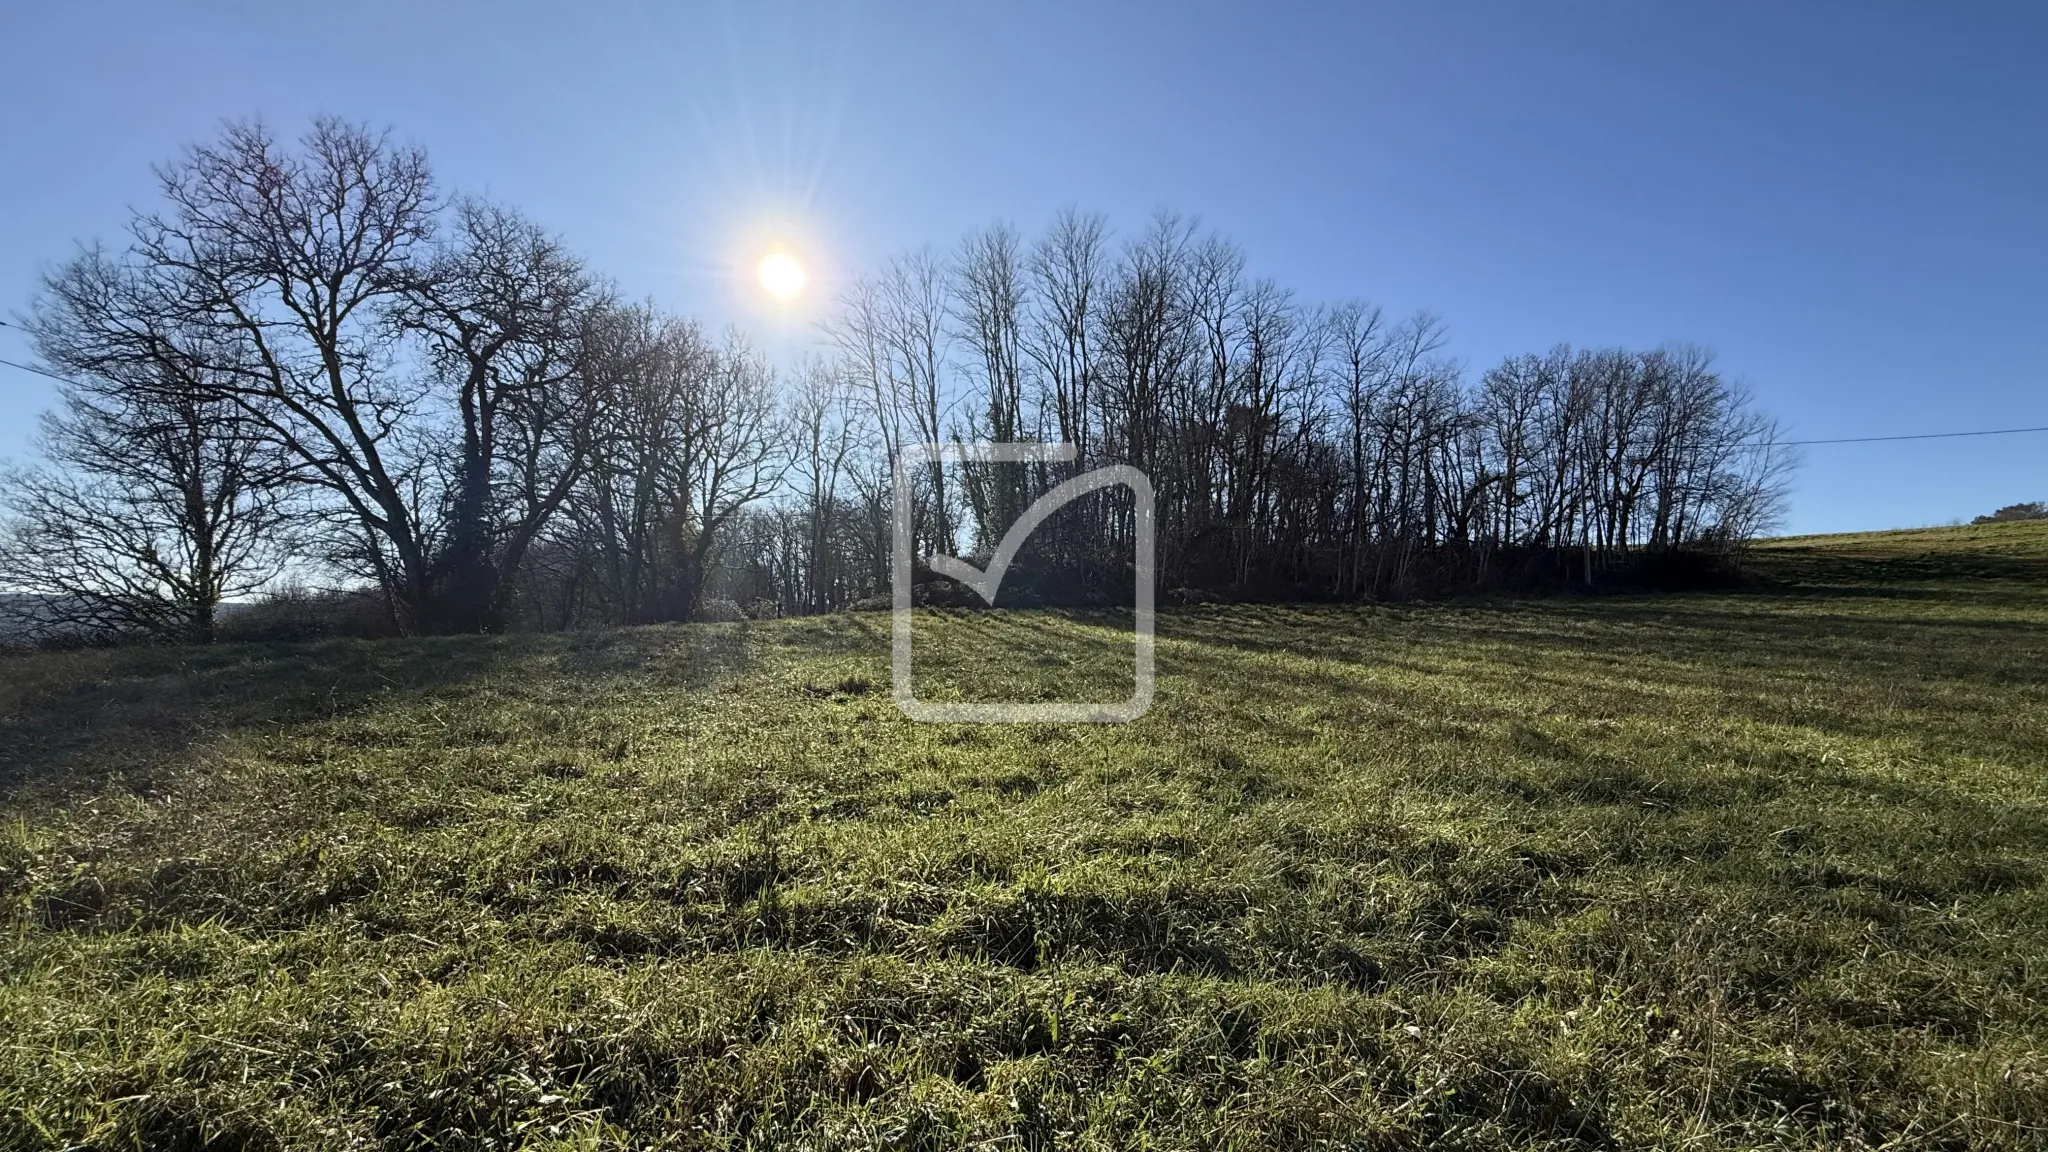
[[294, 260], [458, 410], [916, 289], [879, 395], [432, 398], [1360, 347], [988, 304], [624, 514], [157, 500], [1067, 271], [824, 437], [501, 310], [691, 438], [730, 455]]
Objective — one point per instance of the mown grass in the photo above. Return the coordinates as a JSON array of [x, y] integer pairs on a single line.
[[1757, 869]]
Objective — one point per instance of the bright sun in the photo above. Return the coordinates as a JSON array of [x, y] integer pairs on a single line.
[[781, 275]]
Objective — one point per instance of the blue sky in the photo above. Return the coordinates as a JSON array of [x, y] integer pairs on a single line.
[[1848, 203]]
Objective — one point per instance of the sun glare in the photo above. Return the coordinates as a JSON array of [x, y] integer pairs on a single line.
[[781, 275]]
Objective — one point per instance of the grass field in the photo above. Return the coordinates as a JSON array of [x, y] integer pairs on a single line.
[[1731, 870]]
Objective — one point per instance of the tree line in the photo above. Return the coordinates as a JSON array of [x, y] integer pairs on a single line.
[[2025, 510], [309, 363]]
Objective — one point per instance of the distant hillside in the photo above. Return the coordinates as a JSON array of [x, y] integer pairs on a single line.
[[16, 609], [2018, 538], [2014, 550]]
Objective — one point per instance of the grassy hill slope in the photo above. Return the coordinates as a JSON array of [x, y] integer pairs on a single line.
[[2020, 539], [1759, 869], [1958, 560]]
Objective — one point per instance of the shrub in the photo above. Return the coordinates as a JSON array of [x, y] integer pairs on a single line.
[[300, 613], [2030, 510], [720, 610]]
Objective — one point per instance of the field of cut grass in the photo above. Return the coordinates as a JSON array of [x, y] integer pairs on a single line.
[[1758, 869], [2015, 552]]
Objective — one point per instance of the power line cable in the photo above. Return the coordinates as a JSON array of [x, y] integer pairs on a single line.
[[1914, 436], [40, 372], [31, 367]]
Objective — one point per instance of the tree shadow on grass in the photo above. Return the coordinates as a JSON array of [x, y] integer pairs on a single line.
[[1942, 685], [1686, 639], [690, 655], [1882, 570], [78, 721], [81, 720]]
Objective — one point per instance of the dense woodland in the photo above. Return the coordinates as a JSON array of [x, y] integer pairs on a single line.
[[310, 367]]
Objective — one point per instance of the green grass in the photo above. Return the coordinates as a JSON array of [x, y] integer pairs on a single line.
[[2025, 539], [1757, 869]]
